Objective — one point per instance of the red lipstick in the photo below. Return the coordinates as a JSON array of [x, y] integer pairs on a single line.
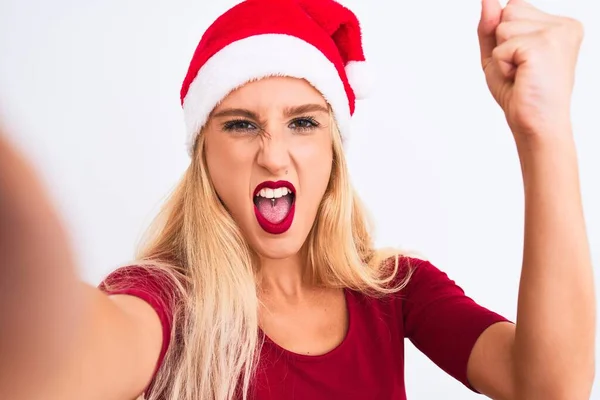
[[283, 225], [274, 185]]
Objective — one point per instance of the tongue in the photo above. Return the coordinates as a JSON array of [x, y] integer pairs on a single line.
[[276, 211]]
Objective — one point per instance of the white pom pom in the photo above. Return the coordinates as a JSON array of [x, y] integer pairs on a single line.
[[359, 78]]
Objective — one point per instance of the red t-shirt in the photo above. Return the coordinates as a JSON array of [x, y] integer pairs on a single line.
[[431, 311]]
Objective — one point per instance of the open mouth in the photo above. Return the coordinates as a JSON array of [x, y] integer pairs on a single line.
[[274, 205]]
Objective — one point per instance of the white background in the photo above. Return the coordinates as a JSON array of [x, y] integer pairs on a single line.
[[91, 89]]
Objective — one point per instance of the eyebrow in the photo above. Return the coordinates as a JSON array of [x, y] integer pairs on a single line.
[[287, 112], [236, 112], [303, 109]]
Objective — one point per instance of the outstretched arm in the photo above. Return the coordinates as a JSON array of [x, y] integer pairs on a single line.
[[59, 338], [529, 59]]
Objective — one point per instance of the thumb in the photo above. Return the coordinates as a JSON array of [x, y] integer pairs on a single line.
[[491, 15]]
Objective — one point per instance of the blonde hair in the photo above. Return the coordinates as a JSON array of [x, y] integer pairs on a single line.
[[215, 343]]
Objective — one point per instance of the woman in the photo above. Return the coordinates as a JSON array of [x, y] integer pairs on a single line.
[[260, 280]]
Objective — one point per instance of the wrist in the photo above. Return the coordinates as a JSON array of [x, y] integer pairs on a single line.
[[556, 138], [551, 160]]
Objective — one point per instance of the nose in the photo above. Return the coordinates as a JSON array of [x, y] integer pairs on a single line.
[[274, 154]]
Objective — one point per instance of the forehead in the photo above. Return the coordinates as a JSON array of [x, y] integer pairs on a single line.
[[273, 92]]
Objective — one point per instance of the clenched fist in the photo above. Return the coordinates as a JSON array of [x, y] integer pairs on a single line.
[[529, 59]]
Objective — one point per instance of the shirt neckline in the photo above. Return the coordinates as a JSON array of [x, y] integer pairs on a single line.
[[331, 353]]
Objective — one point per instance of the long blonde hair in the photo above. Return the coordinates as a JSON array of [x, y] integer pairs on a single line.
[[215, 343]]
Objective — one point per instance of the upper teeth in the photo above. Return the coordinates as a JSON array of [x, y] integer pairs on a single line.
[[273, 193]]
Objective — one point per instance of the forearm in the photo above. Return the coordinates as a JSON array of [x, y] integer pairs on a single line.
[[37, 285], [554, 343]]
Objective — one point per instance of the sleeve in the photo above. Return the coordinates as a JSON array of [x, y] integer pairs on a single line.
[[151, 286], [441, 321]]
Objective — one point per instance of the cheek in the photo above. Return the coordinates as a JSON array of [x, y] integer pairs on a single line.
[[315, 165], [229, 173]]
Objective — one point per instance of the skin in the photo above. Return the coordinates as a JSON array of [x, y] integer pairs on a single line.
[[278, 129], [528, 58], [274, 129]]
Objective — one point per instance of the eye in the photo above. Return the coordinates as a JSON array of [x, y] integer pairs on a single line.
[[304, 124], [239, 126]]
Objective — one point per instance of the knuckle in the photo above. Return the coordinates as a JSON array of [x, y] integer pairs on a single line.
[[578, 28], [502, 32], [573, 27], [497, 53], [510, 13], [548, 37]]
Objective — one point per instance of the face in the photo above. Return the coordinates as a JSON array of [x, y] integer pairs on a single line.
[[268, 147]]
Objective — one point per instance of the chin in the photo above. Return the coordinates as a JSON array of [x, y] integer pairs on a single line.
[[278, 247]]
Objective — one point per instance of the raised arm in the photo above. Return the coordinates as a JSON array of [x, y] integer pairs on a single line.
[[529, 59], [60, 338]]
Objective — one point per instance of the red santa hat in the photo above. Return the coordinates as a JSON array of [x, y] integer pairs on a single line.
[[316, 40]]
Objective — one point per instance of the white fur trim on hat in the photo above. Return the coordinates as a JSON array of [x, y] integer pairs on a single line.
[[257, 57], [359, 78]]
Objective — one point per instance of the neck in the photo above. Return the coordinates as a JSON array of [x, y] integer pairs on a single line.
[[287, 277]]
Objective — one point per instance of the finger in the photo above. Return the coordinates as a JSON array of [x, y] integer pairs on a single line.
[[520, 3], [507, 70], [491, 13], [510, 29], [517, 10], [513, 53]]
